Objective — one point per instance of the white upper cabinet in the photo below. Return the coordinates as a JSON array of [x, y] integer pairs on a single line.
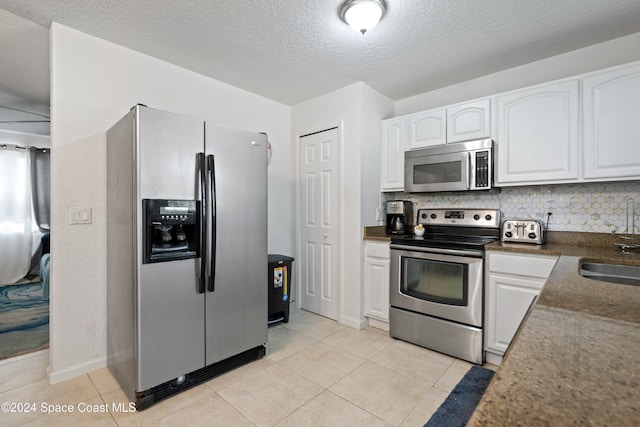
[[611, 129], [392, 156], [582, 129], [537, 134], [427, 129], [469, 121]]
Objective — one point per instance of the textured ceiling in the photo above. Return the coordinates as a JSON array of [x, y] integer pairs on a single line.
[[24, 75], [294, 50]]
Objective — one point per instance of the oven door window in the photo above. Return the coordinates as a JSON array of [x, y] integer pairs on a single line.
[[436, 281]]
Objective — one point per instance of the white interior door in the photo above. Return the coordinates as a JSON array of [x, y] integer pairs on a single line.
[[318, 159]]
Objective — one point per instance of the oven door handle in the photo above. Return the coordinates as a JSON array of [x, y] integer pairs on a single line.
[[468, 253]]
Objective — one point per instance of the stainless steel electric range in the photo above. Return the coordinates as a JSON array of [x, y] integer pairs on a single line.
[[437, 281]]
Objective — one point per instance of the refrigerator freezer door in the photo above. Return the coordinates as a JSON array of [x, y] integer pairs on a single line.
[[170, 309], [236, 309], [168, 147], [171, 319]]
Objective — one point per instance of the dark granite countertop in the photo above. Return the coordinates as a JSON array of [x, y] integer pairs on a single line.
[[576, 358], [376, 232]]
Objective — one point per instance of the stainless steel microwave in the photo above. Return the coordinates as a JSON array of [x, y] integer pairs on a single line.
[[461, 166]]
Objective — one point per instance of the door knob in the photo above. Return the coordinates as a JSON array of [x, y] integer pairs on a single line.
[[326, 235]]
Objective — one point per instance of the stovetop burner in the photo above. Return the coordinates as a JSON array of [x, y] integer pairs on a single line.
[[455, 229], [445, 241]]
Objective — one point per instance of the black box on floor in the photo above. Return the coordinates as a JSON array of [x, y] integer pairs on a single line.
[[279, 280]]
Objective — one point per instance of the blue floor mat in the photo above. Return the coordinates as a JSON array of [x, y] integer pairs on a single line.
[[24, 319], [456, 410]]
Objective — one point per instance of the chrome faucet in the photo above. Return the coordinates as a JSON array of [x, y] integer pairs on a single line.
[[624, 247], [631, 228]]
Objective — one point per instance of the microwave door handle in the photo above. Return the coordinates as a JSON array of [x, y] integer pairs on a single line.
[[468, 170]]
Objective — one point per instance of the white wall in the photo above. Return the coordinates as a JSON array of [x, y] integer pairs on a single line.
[[357, 110], [93, 84], [592, 58], [375, 107]]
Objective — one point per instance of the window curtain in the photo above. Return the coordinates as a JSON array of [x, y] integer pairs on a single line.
[[41, 187], [39, 165], [16, 225], [25, 210]]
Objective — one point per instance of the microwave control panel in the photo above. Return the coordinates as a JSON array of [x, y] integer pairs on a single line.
[[482, 169]]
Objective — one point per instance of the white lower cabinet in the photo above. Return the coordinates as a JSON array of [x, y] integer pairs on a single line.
[[376, 282], [513, 281]]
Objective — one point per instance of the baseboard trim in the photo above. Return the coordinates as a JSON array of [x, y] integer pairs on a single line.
[[380, 324], [494, 359], [76, 370], [354, 323]]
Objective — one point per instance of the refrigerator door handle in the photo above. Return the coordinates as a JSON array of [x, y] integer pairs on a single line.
[[203, 222], [212, 171]]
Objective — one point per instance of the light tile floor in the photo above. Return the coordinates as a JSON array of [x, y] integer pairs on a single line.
[[316, 373]]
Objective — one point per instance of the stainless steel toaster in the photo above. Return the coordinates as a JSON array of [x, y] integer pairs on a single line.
[[523, 231]]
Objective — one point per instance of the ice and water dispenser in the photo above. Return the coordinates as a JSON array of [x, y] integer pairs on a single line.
[[171, 230]]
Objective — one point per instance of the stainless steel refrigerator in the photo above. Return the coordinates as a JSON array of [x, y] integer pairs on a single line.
[[187, 251]]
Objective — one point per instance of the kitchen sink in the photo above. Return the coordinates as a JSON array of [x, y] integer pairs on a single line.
[[614, 273]]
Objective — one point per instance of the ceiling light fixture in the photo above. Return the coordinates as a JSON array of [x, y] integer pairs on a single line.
[[362, 15]]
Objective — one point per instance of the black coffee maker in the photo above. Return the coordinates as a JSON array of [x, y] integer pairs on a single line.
[[399, 217]]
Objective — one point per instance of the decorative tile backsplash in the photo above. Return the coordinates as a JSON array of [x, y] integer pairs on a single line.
[[594, 207]]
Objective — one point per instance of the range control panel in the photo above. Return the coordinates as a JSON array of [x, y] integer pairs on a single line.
[[523, 231], [488, 218]]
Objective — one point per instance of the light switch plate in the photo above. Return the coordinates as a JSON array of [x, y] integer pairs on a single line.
[[79, 215]]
